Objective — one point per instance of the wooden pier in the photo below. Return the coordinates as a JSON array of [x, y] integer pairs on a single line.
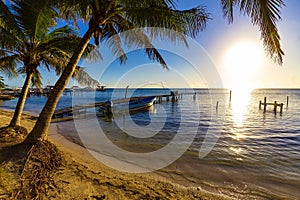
[[81, 109], [275, 104]]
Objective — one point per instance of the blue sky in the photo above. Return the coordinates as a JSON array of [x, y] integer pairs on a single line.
[[215, 45]]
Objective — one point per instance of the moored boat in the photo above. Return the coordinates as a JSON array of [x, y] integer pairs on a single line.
[[141, 103], [134, 105], [100, 88]]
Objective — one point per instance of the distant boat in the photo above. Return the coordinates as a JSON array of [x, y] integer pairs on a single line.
[[133, 106], [100, 88], [6, 97]]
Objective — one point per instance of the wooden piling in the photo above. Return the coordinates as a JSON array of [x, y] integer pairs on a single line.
[[230, 94], [265, 104], [275, 104], [217, 105], [259, 105], [281, 107], [173, 98], [287, 101], [194, 97], [275, 107]]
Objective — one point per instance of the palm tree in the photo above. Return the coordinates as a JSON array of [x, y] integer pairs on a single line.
[[25, 39], [111, 17]]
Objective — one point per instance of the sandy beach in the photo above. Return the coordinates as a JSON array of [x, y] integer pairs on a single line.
[[83, 177]]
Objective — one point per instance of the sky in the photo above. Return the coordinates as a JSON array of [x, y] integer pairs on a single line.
[[223, 55]]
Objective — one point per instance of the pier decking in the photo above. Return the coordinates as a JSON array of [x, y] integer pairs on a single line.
[[174, 96]]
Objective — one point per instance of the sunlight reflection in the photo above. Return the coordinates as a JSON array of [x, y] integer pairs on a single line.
[[239, 105], [237, 151], [237, 135]]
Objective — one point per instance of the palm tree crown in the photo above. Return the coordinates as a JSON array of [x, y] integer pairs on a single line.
[[109, 18], [26, 41]]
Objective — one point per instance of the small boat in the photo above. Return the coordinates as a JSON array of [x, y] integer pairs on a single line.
[[133, 106], [141, 103], [100, 88]]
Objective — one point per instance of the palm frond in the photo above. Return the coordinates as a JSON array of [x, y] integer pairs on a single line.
[[36, 80], [71, 10], [83, 78], [265, 14], [58, 32], [114, 43], [8, 64], [8, 22], [9, 41], [189, 22], [140, 39], [92, 54], [65, 44], [35, 17], [148, 3]]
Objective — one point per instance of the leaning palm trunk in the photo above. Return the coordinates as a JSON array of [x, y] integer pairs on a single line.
[[21, 102], [40, 130]]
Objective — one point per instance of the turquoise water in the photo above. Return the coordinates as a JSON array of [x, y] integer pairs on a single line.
[[261, 147]]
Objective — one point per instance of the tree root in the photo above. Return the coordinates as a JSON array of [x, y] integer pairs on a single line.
[[37, 176], [13, 134]]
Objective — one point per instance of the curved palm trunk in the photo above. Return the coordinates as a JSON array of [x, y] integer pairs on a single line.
[[21, 102], [40, 130]]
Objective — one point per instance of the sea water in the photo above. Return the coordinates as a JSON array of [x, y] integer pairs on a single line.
[[253, 147]]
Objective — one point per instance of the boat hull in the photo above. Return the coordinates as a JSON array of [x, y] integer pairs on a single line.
[[132, 106]]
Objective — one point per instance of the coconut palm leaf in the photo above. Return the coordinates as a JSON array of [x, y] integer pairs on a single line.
[[35, 17], [115, 44], [8, 22], [83, 78], [265, 14], [8, 64], [59, 32], [36, 80]]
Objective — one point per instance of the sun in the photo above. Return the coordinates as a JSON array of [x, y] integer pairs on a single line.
[[242, 62]]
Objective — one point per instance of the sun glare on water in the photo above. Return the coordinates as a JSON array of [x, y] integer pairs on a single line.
[[242, 63]]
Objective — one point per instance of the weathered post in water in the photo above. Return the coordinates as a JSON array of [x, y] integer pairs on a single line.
[[275, 107], [259, 105], [230, 93], [217, 105], [281, 107], [287, 101], [265, 104]]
